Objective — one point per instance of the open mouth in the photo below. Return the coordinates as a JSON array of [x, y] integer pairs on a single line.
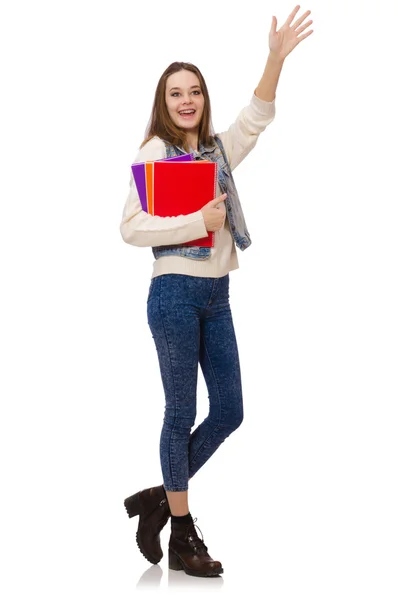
[[187, 114]]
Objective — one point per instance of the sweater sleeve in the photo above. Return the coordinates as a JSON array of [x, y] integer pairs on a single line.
[[141, 229], [242, 135]]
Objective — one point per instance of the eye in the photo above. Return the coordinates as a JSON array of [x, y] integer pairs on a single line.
[[196, 92]]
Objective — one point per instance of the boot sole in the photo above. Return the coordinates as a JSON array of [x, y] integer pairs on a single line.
[[176, 564], [132, 506]]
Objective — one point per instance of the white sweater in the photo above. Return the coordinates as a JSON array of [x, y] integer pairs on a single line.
[[140, 229]]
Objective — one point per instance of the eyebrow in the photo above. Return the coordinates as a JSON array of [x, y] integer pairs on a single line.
[[177, 88]]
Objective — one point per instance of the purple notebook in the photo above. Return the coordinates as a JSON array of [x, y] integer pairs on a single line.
[[138, 171]]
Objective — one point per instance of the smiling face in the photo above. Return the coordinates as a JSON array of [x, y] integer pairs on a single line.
[[184, 100]]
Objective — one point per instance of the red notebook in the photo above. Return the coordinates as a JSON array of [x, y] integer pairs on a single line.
[[181, 188]]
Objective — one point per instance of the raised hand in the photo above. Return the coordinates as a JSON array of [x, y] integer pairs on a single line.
[[283, 41]]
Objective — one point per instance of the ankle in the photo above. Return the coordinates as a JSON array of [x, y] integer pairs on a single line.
[[182, 519]]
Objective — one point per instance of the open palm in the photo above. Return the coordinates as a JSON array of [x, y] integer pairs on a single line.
[[283, 41]]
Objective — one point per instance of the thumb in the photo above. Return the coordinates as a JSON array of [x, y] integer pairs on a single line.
[[217, 200]]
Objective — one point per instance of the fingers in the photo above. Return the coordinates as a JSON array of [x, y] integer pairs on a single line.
[[292, 15], [301, 19], [216, 201], [305, 26], [303, 37]]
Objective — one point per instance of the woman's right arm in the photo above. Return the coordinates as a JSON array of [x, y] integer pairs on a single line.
[[138, 228]]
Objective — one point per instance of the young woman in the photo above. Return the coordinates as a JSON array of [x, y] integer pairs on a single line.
[[188, 302]]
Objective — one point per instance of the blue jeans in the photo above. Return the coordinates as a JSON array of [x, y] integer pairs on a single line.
[[191, 323]]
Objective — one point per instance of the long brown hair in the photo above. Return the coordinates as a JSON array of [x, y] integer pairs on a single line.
[[160, 122]]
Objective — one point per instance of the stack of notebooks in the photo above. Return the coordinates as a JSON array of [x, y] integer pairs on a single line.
[[176, 186]]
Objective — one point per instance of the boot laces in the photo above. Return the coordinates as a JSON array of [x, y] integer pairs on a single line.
[[197, 543]]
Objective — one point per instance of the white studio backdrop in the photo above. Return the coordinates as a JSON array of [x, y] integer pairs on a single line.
[[300, 501]]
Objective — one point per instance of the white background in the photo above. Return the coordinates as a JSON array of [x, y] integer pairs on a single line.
[[300, 501]]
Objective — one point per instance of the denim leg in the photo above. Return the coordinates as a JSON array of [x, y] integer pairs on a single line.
[[191, 323], [175, 325], [219, 361]]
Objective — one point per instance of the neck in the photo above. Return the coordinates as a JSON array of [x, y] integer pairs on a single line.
[[192, 140]]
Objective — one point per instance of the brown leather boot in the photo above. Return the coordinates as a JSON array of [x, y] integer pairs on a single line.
[[188, 552], [152, 507]]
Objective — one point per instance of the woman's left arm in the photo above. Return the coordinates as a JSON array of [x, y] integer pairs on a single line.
[[281, 43], [242, 135]]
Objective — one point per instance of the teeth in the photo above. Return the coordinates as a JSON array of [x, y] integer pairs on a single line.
[[186, 112]]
